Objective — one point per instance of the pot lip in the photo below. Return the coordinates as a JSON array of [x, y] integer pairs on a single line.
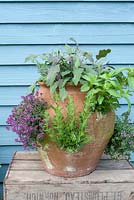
[[41, 83]]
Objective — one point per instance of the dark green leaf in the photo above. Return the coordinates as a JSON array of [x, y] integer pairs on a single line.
[[103, 53]]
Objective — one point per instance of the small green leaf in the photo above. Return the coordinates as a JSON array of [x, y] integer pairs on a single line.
[[77, 75], [77, 63], [31, 58], [131, 82], [53, 87], [65, 72], [100, 99], [68, 49], [89, 56], [86, 77], [32, 87], [103, 53], [114, 93], [63, 93], [85, 88], [52, 72]]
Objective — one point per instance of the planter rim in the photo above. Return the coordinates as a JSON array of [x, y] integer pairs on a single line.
[[41, 83]]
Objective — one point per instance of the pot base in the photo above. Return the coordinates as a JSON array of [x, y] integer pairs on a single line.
[[68, 172]]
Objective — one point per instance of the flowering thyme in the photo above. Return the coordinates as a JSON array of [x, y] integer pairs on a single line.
[[27, 120]]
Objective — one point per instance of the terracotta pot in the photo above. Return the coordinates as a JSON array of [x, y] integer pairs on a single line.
[[61, 163]]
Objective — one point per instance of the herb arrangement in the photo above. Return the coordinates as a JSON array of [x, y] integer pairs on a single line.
[[102, 85]]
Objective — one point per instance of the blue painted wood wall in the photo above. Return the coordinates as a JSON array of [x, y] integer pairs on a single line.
[[32, 26]]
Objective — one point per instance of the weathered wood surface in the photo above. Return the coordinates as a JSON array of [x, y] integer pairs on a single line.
[[27, 180]]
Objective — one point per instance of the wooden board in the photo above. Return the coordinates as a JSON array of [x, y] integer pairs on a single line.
[[85, 33], [27, 180]]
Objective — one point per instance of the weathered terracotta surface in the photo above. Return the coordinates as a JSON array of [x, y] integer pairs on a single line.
[[61, 163]]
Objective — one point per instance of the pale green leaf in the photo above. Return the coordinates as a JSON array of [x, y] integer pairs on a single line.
[[63, 93], [131, 82], [53, 87], [65, 72], [100, 99], [77, 63], [52, 72], [77, 75], [85, 88], [68, 49], [114, 93]]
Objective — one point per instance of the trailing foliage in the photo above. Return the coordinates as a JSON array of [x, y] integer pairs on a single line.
[[122, 142], [69, 132], [27, 120]]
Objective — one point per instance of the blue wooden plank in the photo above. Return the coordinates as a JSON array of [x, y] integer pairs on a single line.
[[1, 191], [60, 34], [4, 113], [10, 55], [7, 152], [18, 75], [12, 95], [40, 12], [3, 171], [7, 137]]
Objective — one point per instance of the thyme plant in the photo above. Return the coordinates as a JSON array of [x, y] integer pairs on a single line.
[[121, 143]]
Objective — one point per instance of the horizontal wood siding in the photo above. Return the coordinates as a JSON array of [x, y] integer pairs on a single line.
[[15, 54], [67, 12], [32, 26], [43, 33]]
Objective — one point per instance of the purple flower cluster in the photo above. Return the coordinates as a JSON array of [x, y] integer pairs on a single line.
[[27, 120]]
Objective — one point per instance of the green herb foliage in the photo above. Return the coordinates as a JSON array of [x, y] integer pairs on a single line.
[[58, 68], [105, 85], [69, 132], [122, 142]]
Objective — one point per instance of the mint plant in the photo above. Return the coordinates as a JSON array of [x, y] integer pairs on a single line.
[[104, 85]]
